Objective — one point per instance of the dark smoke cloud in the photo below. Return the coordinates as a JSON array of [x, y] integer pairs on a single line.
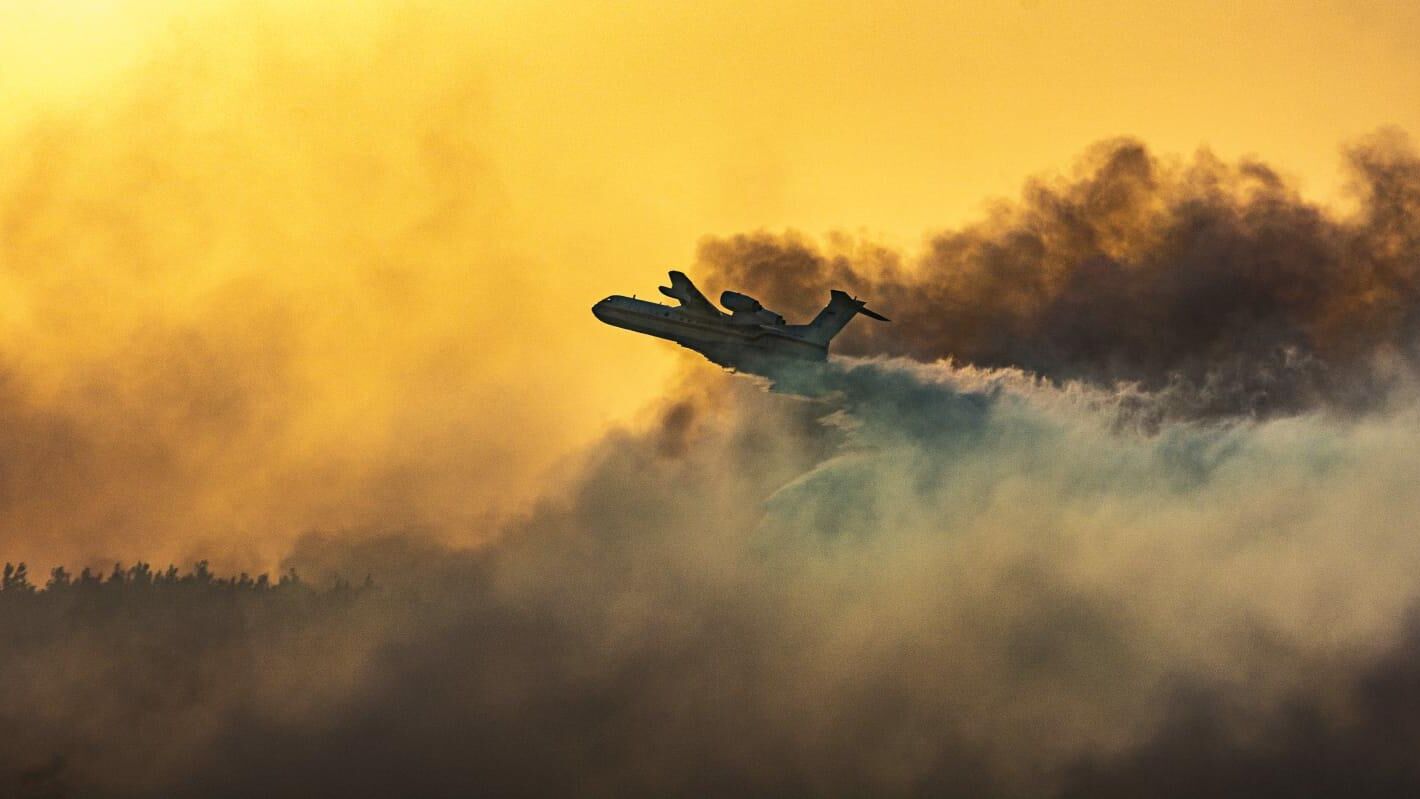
[[1216, 283], [1360, 743]]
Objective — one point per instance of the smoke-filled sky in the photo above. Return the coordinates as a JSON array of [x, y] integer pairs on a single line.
[[278, 266], [1121, 503]]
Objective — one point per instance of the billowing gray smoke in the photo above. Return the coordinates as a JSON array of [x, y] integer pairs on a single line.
[[925, 580], [1216, 282]]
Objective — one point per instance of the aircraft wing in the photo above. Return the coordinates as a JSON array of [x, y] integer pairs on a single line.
[[689, 296]]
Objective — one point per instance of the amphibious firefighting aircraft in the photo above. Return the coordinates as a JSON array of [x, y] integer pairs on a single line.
[[749, 338]]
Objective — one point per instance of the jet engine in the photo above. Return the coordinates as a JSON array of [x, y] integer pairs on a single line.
[[740, 303], [748, 311]]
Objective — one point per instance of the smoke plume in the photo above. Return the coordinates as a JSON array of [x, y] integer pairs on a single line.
[[1214, 281], [924, 580]]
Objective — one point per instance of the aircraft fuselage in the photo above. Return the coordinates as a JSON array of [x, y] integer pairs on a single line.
[[750, 347]]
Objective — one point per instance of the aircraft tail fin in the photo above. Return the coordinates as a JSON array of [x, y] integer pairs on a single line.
[[839, 312]]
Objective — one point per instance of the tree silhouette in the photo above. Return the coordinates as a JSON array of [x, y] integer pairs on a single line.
[[144, 648], [16, 578], [140, 576]]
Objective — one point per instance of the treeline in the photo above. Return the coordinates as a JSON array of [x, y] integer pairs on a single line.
[[16, 579], [106, 672]]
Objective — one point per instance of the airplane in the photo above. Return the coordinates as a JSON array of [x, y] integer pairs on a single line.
[[750, 338]]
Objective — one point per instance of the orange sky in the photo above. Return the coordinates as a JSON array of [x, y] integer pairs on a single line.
[[267, 266]]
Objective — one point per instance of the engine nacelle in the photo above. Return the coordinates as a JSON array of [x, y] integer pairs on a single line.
[[740, 303]]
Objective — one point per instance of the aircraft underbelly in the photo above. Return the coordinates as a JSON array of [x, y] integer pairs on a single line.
[[728, 346]]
